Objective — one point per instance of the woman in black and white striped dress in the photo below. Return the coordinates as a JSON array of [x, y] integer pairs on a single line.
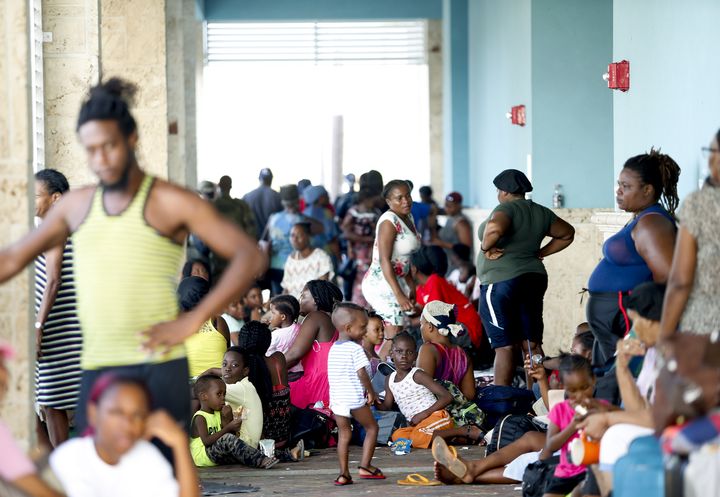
[[59, 341]]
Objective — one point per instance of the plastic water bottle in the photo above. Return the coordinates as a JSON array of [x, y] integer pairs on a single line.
[[558, 199]]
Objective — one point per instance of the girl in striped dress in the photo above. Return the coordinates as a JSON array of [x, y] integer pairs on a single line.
[[58, 337]]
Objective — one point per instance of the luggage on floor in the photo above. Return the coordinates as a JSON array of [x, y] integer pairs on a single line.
[[497, 401], [641, 471], [510, 428], [536, 476]]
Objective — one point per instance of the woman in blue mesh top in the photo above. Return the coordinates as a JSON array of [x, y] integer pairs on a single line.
[[641, 251]]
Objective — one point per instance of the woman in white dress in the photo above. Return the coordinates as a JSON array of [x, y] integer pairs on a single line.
[[388, 285]]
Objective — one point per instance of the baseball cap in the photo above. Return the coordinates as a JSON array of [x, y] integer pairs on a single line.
[[454, 197]]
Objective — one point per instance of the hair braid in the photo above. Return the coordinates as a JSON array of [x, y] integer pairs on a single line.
[[670, 173], [660, 171], [325, 294]]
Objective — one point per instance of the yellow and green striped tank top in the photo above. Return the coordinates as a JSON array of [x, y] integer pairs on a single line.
[[125, 279], [205, 349]]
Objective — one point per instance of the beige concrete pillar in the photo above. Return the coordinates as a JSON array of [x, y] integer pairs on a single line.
[[71, 66], [132, 46], [435, 86], [15, 215], [183, 31]]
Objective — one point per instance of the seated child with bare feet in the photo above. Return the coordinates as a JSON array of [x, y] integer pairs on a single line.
[[421, 400], [349, 381], [234, 316], [214, 439]]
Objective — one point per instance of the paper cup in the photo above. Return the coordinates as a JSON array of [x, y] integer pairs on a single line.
[[267, 447]]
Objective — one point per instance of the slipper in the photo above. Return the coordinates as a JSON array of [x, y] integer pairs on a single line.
[[374, 475], [273, 461], [300, 448], [348, 481], [418, 480], [447, 456]]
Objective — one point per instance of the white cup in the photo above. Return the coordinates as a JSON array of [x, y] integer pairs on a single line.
[[267, 447]]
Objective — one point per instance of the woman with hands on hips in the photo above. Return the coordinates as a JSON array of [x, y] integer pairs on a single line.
[[388, 285]]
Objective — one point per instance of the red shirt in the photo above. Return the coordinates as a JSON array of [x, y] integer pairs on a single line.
[[437, 288]]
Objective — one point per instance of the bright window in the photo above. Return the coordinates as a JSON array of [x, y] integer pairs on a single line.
[[278, 113]]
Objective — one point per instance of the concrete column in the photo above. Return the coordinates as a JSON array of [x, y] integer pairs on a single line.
[[435, 86], [455, 97], [15, 215], [183, 36], [71, 66], [132, 46]]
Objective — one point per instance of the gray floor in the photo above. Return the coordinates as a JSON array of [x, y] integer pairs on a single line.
[[314, 477]]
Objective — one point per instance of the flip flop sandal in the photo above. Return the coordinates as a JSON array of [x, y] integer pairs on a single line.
[[300, 450], [374, 475], [447, 456], [418, 480], [270, 464], [347, 481], [473, 440]]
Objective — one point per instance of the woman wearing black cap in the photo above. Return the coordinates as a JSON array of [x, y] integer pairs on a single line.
[[511, 271]]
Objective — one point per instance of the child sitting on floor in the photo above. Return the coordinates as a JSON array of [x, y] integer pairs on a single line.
[[374, 337], [282, 320], [421, 400], [577, 376], [349, 382], [234, 317], [241, 395], [254, 305], [214, 440]]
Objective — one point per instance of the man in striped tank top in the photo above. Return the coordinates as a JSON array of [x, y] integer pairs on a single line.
[[128, 233]]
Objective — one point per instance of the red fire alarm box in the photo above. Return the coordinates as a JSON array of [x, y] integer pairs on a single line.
[[618, 75], [517, 115]]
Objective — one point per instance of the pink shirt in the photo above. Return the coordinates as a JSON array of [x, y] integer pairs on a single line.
[[281, 341], [561, 415], [14, 463]]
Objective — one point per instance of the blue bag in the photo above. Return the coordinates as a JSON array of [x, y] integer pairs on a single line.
[[641, 471], [497, 401]]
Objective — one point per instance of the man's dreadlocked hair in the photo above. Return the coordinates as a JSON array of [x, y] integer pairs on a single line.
[[325, 294], [660, 171], [110, 100]]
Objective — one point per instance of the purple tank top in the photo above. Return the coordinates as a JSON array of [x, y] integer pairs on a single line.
[[453, 363]]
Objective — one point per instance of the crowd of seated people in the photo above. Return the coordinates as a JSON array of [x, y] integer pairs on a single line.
[[399, 329]]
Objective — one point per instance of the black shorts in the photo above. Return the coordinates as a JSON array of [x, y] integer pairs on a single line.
[[511, 310], [563, 486], [166, 381]]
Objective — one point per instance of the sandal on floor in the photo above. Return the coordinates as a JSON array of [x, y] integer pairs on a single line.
[[272, 462], [474, 440], [418, 480], [300, 449], [447, 456], [377, 474], [347, 480]]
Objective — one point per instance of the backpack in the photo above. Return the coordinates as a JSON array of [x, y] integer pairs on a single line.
[[509, 429], [536, 476], [316, 428], [497, 401]]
